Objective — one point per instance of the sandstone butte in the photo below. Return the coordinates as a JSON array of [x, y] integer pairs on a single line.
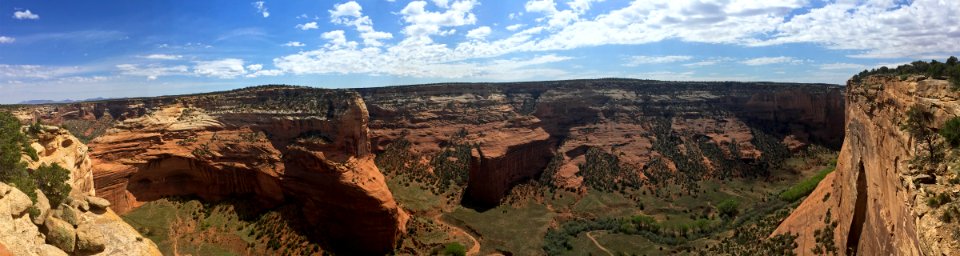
[[875, 194], [270, 144]]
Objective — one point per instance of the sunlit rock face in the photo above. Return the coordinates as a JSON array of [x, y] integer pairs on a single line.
[[270, 144], [878, 206]]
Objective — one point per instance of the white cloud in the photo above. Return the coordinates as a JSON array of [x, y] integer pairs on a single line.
[[842, 66], [880, 29], [771, 60], [261, 8], [479, 33], [423, 23], [515, 27], [634, 61], [163, 57], [7, 40], [17, 72], [308, 26], [265, 72], [351, 14], [25, 15], [152, 71], [581, 6], [224, 68], [701, 63], [254, 67], [348, 9], [294, 44]]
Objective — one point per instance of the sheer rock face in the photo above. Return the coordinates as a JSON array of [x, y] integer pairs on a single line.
[[519, 127], [242, 143], [878, 207]]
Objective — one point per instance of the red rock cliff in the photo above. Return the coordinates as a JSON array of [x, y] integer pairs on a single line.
[[876, 195]]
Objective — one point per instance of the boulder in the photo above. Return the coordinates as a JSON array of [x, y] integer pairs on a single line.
[[43, 206], [69, 214], [79, 204], [17, 201], [98, 202], [4, 189], [60, 234], [89, 240]]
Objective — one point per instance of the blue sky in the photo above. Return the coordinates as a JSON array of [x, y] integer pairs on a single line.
[[82, 49]]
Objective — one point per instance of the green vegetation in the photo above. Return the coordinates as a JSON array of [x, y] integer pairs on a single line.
[[501, 227], [950, 131], [919, 126], [938, 199], [824, 237], [52, 180], [602, 171], [949, 70], [12, 144], [454, 249], [728, 208], [805, 187]]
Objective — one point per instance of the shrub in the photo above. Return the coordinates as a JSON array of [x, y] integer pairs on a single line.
[[455, 249], [12, 143], [951, 131], [728, 208], [52, 180]]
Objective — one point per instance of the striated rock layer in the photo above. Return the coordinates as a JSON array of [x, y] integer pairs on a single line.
[[272, 144], [517, 128], [878, 207]]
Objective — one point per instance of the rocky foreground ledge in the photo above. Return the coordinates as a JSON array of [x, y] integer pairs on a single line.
[[81, 226]]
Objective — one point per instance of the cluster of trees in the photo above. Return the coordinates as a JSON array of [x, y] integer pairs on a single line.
[[824, 237], [50, 179], [949, 70], [603, 171], [755, 239], [805, 187], [451, 166]]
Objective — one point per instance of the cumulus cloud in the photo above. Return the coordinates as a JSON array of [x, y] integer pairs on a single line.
[[771, 60], [423, 23], [163, 57], [224, 68], [634, 61], [479, 33], [25, 15], [294, 44], [515, 27], [351, 14], [880, 29], [6, 40], [308, 26], [261, 8]]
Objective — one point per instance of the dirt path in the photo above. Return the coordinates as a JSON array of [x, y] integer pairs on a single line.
[[475, 249], [589, 235]]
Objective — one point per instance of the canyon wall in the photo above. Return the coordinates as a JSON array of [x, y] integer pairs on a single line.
[[517, 128], [876, 196], [272, 144]]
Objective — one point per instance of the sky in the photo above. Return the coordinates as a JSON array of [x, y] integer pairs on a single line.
[[59, 49]]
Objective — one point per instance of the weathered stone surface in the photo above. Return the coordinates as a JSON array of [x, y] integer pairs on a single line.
[[97, 202], [924, 179], [89, 239], [61, 234], [79, 204], [58, 146], [43, 206], [68, 214], [50, 250], [874, 199], [17, 202]]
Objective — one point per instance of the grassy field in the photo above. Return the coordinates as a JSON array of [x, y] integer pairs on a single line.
[[505, 228]]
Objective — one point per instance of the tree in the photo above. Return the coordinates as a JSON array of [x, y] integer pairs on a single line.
[[12, 144], [951, 132], [952, 61], [728, 208], [52, 180], [917, 125]]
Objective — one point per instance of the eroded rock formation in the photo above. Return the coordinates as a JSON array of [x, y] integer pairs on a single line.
[[272, 144], [876, 196], [517, 128]]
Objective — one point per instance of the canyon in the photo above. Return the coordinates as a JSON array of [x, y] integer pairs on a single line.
[[338, 154]]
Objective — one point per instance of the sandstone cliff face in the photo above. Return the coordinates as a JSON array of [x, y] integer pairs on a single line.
[[879, 208], [58, 146], [519, 127], [271, 144]]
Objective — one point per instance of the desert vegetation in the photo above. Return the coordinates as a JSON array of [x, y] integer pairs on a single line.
[[949, 70]]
